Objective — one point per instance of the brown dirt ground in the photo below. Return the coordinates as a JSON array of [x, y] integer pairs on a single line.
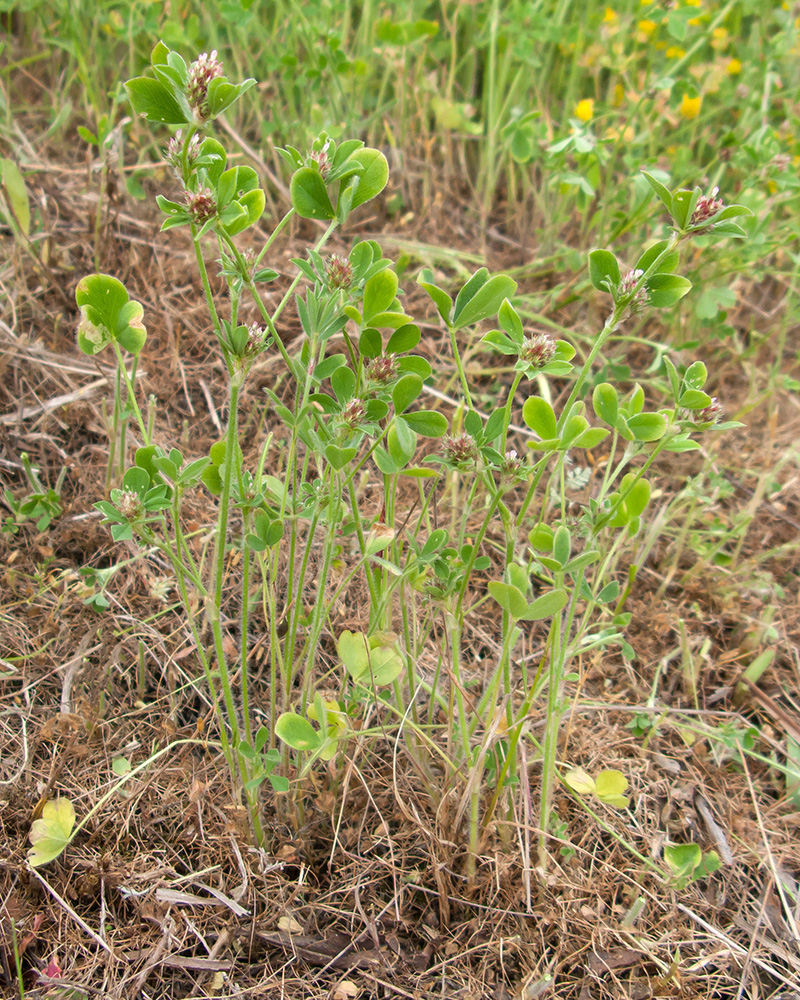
[[162, 895]]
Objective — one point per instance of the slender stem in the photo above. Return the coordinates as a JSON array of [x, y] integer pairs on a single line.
[[362, 542], [562, 631], [509, 402], [246, 520], [214, 605], [123, 423], [131, 391], [321, 608], [461, 373], [212, 308], [275, 232], [454, 628]]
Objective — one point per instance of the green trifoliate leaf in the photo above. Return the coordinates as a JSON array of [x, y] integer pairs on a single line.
[[695, 376], [367, 663], [562, 545], [603, 270], [662, 191], [683, 205], [372, 179], [667, 261], [539, 416], [426, 423], [297, 732], [340, 457], [666, 289], [379, 293], [404, 339], [638, 497], [156, 102], [510, 598], [107, 314], [508, 318], [485, 301], [405, 392], [647, 426], [606, 403], [440, 298], [546, 606], [309, 195]]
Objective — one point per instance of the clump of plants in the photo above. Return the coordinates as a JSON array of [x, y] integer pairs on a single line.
[[302, 521]]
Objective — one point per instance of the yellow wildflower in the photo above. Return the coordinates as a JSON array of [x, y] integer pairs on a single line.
[[734, 67], [584, 109], [719, 38], [647, 27], [675, 52], [690, 106], [695, 21], [615, 134], [610, 15]]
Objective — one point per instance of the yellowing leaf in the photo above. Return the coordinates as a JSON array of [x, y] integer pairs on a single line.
[[289, 925], [51, 834], [346, 990], [609, 787], [16, 193], [579, 781]]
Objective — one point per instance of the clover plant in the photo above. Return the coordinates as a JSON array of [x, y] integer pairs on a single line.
[[342, 496]]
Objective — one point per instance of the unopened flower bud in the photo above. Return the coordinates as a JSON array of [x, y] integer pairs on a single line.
[[202, 71], [781, 161], [128, 503], [339, 272], [353, 413], [320, 157], [256, 337], [460, 449], [708, 415], [641, 299], [202, 204], [708, 205], [712, 413], [511, 471], [382, 369], [538, 350], [175, 150]]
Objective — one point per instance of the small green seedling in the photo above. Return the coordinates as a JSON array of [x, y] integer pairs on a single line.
[[687, 863], [43, 504], [52, 832]]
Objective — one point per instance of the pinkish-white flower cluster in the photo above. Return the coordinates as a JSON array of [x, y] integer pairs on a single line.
[[708, 205], [202, 71]]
